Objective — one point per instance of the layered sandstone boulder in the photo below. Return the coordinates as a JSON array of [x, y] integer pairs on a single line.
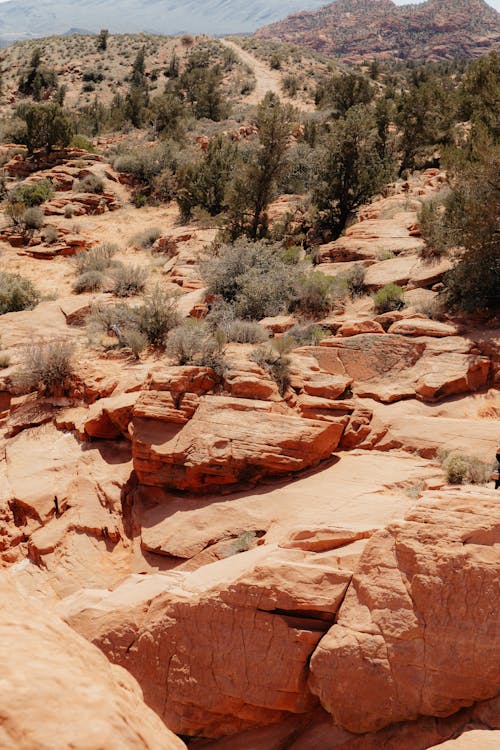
[[392, 367], [227, 441], [418, 631], [224, 648], [59, 691]]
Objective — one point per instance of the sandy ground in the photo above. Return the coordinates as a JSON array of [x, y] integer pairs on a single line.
[[266, 80]]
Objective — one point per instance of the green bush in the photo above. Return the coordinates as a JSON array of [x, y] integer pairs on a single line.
[[17, 293], [128, 280], [194, 343], [389, 298], [82, 142], [46, 367], [456, 469], [33, 194], [316, 293]]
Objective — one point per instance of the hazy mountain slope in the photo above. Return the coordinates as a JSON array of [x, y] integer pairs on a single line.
[[22, 18], [357, 29]]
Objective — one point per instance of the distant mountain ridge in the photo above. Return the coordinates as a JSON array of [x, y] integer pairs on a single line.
[[367, 29], [26, 18]]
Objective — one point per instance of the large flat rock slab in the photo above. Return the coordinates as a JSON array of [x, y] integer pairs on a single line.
[[228, 441]]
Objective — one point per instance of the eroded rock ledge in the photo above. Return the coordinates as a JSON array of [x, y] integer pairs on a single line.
[[251, 641]]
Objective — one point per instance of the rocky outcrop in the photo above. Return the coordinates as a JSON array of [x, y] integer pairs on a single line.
[[359, 30], [427, 368], [420, 586], [197, 642], [227, 441], [59, 691]]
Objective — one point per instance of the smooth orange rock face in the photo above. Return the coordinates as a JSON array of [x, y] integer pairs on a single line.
[[422, 327], [59, 691], [228, 441], [224, 648], [418, 631]]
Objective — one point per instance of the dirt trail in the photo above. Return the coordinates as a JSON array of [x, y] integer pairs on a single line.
[[266, 79]]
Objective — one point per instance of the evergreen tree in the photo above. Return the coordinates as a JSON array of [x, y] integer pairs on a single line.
[[47, 126], [138, 94], [351, 169], [102, 40], [253, 187]]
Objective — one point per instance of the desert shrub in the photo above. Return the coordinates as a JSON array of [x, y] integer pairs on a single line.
[[90, 281], [81, 141], [46, 126], [355, 280], [90, 184], [456, 469], [50, 235], [32, 219], [194, 343], [307, 335], [432, 308], [252, 277], [46, 367], [111, 320], [4, 360], [164, 186], [147, 162], [478, 472], [274, 360], [316, 293], [32, 194], [430, 219], [244, 331], [128, 280], [204, 181], [135, 341], [17, 293], [69, 211], [461, 468], [99, 258], [157, 316], [146, 238], [290, 85], [389, 297], [38, 80], [153, 319]]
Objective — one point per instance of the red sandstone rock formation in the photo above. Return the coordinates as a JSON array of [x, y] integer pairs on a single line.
[[225, 442], [420, 586], [58, 691]]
